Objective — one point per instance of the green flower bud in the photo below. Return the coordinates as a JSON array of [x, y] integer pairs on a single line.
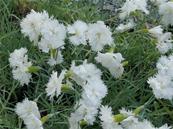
[[69, 74], [66, 88], [33, 69], [138, 110], [83, 123], [53, 53], [111, 50], [125, 63], [45, 118], [118, 118]]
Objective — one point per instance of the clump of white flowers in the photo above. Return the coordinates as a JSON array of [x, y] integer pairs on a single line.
[[99, 35], [125, 27], [125, 120], [20, 66], [166, 11], [49, 35], [131, 6], [55, 84], [112, 61], [161, 83], [164, 39], [44, 31], [94, 90], [77, 32], [28, 111]]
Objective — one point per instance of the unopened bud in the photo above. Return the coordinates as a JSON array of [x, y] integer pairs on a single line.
[[125, 63], [138, 110], [119, 118], [83, 123], [45, 118], [33, 69]]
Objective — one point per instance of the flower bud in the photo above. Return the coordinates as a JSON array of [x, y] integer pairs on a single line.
[[33, 69]]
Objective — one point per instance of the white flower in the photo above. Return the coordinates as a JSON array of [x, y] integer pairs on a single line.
[[162, 86], [166, 10], [161, 83], [87, 107], [84, 72], [31, 25], [22, 75], [107, 118], [44, 31], [141, 125], [131, 6], [99, 35], [112, 61], [74, 120], [19, 63], [78, 32], [52, 35], [165, 43], [156, 31], [59, 59], [164, 39], [87, 112], [33, 122], [130, 118], [94, 90], [164, 65], [27, 107], [124, 27], [28, 111], [55, 83]]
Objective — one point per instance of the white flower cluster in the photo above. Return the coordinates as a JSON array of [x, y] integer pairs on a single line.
[[20, 64], [97, 34], [111, 61], [164, 39], [44, 31], [161, 83], [94, 90], [28, 111], [48, 34], [130, 120], [131, 6]]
